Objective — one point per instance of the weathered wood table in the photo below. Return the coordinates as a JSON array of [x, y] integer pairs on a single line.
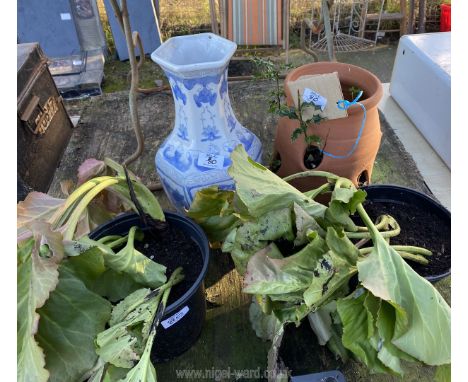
[[227, 342]]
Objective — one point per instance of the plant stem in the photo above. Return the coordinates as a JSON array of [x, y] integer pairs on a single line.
[[404, 251], [305, 174], [416, 258], [75, 216], [370, 225], [317, 191], [64, 212], [412, 249], [106, 239], [117, 243], [368, 235], [278, 98], [379, 226], [382, 221], [361, 242]]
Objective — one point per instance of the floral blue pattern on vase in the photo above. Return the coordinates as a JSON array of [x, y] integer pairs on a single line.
[[205, 125]]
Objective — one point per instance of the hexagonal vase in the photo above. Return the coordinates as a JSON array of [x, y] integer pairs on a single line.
[[196, 154]]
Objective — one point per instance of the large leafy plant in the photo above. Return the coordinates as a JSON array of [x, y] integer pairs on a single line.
[[267, 69], [67, 326], [392, 314]]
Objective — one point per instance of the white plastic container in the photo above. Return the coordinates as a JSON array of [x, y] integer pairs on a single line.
[[197, 152], [420, 84]]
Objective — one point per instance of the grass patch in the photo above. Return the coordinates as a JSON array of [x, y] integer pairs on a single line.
[[116, 75]]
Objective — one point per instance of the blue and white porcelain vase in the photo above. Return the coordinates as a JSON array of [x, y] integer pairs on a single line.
[[196, 154]]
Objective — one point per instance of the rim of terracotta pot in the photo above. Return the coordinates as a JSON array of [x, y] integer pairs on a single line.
[[347, 73]]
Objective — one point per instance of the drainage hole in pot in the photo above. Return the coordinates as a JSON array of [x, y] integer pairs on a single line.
[[275, 163], [420, 228], [363, 179], [312, 157], [173, 248]]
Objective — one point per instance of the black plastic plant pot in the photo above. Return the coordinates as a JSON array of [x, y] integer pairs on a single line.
[[424, 223], [183, 320]]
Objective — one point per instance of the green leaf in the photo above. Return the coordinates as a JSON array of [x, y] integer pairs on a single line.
[[422, 326], [70, 321], [318, 118], [344, 253], [87, 266], [119, 344], [37, 277], [337, 215], [145, 197], [313, 139], [296, 134], [286, 111], [265, 325], [114, 374], [144, 370], [36, 207], [321, 322], [389, 354], [115, 285], [30, 357], [355, 318], [294, 313], [328, 331], [304, 223], [266, 275], [443, 373], [351, 198], [336, 268], [212, 209], [128, 305], [242, 242], [142, 269], [261, 190]]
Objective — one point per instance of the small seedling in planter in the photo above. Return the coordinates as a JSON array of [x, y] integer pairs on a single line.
[[299, 259], [314, 151], [354, 91]]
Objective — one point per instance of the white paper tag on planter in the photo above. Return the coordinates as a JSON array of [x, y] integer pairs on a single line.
[[310, 96], [175, 318], [65, 16], [210, 160]]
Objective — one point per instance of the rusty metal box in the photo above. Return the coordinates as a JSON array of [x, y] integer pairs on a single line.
[[43, 125]]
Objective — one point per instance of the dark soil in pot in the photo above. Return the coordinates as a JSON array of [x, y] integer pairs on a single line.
[[301, 353], [168, 247], [423, 221], [420, 228], [182, 243]]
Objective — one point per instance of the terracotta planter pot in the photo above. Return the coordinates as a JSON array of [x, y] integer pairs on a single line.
[[342, 132]]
